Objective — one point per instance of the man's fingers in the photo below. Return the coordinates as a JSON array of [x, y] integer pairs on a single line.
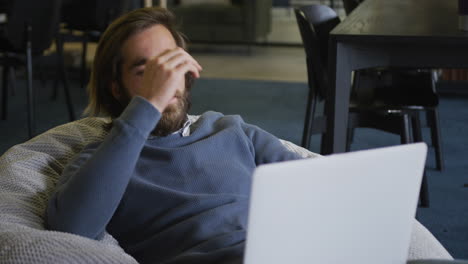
[[176, 60], [179, 59], [172, 58], [188, 67], [166, 55]]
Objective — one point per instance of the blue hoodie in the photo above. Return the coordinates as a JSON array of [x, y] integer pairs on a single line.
[[170, 199]]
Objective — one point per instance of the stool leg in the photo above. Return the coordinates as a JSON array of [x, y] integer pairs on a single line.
[[424, 191], [405, 135], [30, 91], [60, 64], [12, 80], [309, 120], [433, 121], [83, 60], [6, 72], [63, 77], [352, 124]]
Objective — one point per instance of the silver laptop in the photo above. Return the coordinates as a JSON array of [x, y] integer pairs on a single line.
[[355, 208]]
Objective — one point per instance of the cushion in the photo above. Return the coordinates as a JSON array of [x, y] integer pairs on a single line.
[[28, 175]]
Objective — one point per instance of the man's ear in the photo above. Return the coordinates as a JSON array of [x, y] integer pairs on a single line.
[[115, 90]]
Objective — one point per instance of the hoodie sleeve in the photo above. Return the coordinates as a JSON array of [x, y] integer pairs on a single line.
[[94, 182]]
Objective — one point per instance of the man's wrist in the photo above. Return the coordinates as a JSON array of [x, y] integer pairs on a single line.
[[141, 114], [157, 105]]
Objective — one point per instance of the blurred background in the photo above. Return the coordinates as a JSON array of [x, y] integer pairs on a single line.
[[254, 65]]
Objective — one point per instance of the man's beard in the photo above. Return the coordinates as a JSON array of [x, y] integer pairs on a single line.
[[174, 116]]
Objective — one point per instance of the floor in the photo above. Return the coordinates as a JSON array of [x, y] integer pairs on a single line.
[[260, 63]]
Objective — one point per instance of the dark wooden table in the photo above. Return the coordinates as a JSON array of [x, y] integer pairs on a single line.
[[397, 33]]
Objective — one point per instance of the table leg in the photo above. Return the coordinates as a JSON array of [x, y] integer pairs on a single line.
[[337, 102]]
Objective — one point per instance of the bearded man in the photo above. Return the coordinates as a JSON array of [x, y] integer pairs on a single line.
[[169, 189]]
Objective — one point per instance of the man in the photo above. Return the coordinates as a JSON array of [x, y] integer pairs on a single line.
[[169, 189]]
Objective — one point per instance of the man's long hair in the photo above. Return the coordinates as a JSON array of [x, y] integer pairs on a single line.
[[108, 58]]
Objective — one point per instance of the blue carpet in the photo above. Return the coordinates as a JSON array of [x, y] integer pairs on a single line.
[[278, 107]]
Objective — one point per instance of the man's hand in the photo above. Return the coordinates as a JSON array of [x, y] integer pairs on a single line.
[[165, 74]]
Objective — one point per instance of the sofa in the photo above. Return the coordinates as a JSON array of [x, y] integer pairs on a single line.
[[221, 21], [29, 173]]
